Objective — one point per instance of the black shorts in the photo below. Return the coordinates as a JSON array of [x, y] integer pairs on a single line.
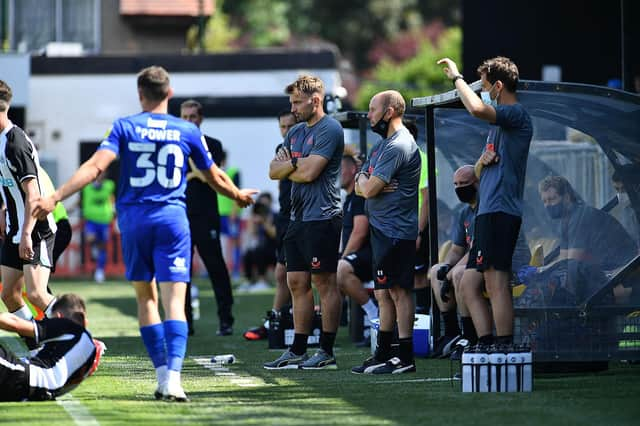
[[281, 230], [360, 261], [42, 248], [15, 374], [422, 254], [313, 246], [494, 240], [393, 260]]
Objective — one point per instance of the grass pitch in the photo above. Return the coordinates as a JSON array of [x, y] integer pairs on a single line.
[[244, 393]]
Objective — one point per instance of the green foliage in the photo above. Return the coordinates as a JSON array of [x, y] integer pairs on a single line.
[[218, 33], [417, 76]]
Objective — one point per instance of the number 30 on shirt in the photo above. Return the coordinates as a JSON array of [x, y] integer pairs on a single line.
[[166, 178]]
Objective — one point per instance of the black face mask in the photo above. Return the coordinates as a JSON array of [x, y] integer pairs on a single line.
[[381, 127], [466, 194]]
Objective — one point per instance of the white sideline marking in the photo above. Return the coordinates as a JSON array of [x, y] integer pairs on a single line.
[[78, 412], [245, 381]]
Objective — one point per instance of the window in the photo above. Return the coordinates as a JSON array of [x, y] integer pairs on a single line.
[[36, 23]]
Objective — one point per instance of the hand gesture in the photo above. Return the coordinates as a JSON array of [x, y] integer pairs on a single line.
[[450, 69], [245, 197], [43, 206], [25, 248], [489, 157]]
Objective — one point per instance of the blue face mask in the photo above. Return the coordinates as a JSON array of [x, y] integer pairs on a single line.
[[554, 210], [486, 98]]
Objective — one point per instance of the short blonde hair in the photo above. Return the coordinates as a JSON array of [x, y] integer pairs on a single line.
[[307, 85]]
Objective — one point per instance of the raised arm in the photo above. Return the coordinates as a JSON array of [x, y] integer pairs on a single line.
[[220, 181], [471, 101], [88, 172]]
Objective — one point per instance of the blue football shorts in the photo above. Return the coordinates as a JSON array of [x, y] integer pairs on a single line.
[[156, 242]]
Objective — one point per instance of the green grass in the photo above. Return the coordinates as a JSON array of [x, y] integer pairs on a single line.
[[121, 390]]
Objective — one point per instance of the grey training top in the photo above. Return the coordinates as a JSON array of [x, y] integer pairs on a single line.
[[502, 183], [396, 159], [320, 199]]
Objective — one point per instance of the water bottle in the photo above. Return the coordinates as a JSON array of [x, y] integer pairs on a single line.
[[195, 302], [481, 367], [527, 369], [467, 369], [497, 366], [514, 369], [224, 359]]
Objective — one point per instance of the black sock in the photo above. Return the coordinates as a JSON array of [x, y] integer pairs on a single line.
[[326, 341], [406, 350], [299, 345], [505, 340], [486, 340], [383, 351], [423, 299], [451, 327], [469, 331]]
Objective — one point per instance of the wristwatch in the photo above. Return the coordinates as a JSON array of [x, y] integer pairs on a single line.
[[456, 78], [294, 162]]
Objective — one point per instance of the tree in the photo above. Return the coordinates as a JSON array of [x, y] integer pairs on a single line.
[[417, 76], [218, 36]]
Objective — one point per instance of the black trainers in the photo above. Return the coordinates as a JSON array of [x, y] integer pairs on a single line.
[[456, 355], [288, 360], [444, 346], [394, 366], [225, 330], [368, 365]]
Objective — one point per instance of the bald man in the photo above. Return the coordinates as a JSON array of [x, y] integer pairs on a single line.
[[389, 183], [448, 273]]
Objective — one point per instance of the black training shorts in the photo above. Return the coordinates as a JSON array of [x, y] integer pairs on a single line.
[[494, 241], [360, 261], [313, 246], [42, 248], [15, 377], [393, 260]]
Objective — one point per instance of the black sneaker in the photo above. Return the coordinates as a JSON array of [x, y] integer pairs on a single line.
[[368, 365], [225, 330], [456, 355], [444, 346], [394, 366]]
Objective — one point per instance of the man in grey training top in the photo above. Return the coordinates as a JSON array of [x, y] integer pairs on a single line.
[[389, 182], [502, 170], [310, 158]]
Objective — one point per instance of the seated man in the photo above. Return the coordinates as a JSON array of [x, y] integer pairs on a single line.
[[450, 271], [443, 274], [623, 211], [592, 243], [68, 356]]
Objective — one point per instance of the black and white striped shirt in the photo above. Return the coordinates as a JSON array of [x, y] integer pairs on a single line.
[[64, 361], [18, 162]]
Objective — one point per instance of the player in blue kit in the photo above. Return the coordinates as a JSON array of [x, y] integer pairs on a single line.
[[154, 147]]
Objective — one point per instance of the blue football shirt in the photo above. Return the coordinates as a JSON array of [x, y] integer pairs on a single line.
[[153, 150]]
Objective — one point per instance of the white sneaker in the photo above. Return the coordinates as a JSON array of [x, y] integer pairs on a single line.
[[259, 286], [174, 392], [99, 276]]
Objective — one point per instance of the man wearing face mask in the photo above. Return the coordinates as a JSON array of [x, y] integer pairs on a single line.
[[448, 273], [586, 233], [623, 211], [310, 158], [389, 183], [502, 178]]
